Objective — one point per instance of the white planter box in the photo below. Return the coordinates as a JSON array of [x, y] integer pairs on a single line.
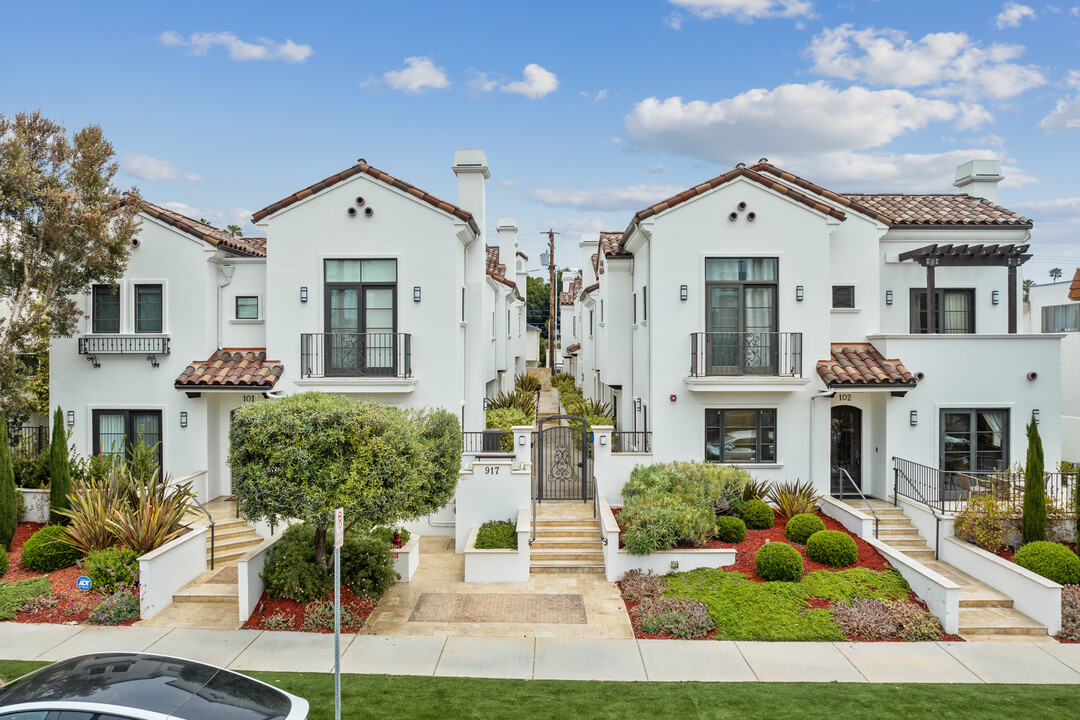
[[172, 566], [488, 566], [407, 558], [854, 520], [35, 505], [249, 570]]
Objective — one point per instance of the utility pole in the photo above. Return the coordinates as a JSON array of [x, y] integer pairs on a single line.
[[551, 310]]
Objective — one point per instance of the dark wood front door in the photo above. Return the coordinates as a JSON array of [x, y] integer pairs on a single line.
[[846, 450]]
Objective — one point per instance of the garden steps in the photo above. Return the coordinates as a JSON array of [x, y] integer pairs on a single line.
[[567, 539]]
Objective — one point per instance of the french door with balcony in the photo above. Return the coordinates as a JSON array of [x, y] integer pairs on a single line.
[[741, 316], [361, 318]]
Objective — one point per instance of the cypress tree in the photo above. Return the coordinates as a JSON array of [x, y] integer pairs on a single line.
[[59, 471], [1033, 523], [8, 505]]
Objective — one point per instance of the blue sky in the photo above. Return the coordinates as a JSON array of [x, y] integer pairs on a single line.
[[588, 111]]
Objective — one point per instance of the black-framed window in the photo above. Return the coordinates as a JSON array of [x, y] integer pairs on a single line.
[[635, 308], [954, 310], [1061, 318], [974, 440], [106, 309], [247, 307], [644, 302], [117, 431], [148, 308], [843, 296], [740, 435], [592, 325], [361, 316]]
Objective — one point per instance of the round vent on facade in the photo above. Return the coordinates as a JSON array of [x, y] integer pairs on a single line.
[[751, 216], [351, 211], [733, 216], [369, 212], [742, 206], [359, 201]]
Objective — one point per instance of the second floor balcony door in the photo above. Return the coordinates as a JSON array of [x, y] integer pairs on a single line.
[[361, 317], [741, 322]]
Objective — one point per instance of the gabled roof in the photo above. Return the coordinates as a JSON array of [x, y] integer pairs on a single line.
[[568, 297], [765, 167], [861, 364], [1074, 288], [611, 244], [946, 209], [251, 247], [247, 368], [497, 270], [362, 167]]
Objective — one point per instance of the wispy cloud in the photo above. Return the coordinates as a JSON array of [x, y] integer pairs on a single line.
[[218, 218], [594, 97], [625, 198], [146, 167], [741, 10], [418, 74], [537, 83], [262, 49], [1012, 14]]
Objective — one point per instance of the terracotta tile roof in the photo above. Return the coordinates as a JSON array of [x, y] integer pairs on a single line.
[[591, 288], [939, 209], [861, 364], [362, 167], [573, 348], [846, 201], [497, 270], [611, 244], [1074, 288], [232, 368], [522, 255], [252, 247], [596, 264], [568, 297]]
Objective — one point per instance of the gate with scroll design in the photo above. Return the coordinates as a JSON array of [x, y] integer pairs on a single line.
[[561, 456]]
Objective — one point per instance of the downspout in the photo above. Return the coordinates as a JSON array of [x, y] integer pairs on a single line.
[[227, 271], [822, 394]]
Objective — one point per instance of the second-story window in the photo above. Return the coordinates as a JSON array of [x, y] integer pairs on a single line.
[[644, 302], [106, 309], [1061, 318], [361, 317], [247, 307], [148, 309], [843, 296], [741, 316], [591, 326], [954, 310]]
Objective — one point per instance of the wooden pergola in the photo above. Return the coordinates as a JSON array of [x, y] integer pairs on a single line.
[[1009, 256]]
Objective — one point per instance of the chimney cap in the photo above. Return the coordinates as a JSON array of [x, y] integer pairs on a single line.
[[978, 171], [471, 160], [507, 223]]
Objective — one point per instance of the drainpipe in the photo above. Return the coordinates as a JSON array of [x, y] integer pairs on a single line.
[[822, 394], [227, 271]]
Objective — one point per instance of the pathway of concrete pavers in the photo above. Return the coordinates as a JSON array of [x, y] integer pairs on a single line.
[[566, 658]]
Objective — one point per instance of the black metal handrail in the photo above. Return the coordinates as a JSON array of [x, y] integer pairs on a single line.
[[491, 440], [378, 354], [211, 519], [124, 345], [734, 354], [631, 441], [865, 501]]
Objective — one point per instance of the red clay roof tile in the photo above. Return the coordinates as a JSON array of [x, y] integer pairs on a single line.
[[232, 368], [861, 364], [251, 247], [1074, 288]]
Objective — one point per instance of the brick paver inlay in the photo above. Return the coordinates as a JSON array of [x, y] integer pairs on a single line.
[[499, 608]]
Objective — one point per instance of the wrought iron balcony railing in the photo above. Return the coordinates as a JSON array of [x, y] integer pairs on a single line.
[[733, 354], [357, 355], [149, 345]]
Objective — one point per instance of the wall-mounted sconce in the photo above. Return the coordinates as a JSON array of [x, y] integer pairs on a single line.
[[888, 297], [416, 294], [303, 293], [682, 292], [183, 418], [637, 404], [521, 439], [603, 439], [485, 404], [995, 297], [799, 293], [71, 417], [914, 418], [1035, 415]]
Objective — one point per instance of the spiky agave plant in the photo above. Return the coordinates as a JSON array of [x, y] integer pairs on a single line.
[[518, 399], [794, 498], [155, 518], [527, 383]]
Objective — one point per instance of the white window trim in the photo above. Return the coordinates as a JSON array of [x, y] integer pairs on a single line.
[[128, 326], [247, 321]]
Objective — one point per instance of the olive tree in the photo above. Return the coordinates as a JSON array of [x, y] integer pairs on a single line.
[[305, 455]]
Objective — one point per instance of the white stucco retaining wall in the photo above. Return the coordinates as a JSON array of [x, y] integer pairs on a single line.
[[488, 566], [35, 505], [407, 558], [941, 594], [1032, 594], [857, 522], [172, 566], [249, 571], [489, 489]]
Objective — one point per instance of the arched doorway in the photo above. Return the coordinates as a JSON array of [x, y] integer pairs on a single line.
[[846, 454]]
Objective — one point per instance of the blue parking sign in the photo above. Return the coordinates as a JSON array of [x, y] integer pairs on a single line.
[[83, 583]]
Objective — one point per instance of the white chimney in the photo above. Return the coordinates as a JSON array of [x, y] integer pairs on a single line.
[[507, 230], [470, 166], [979, 178]]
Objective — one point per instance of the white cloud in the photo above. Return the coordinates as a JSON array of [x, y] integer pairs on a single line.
[[608, 199], [420, 73], [745, 10], [949, 63], [1053, 237], [1064, 117], [1011, 14], [674, 21], [480, 82], [847, 171], [218, 218], [972, 116], [658, 169], [537, 83], [261, 49], [146, 167], [1073, 80], [576, 226], [594, 97]]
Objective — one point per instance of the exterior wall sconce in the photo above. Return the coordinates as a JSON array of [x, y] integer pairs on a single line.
[[71, 417], [603, 439], [682, 292], [888, 297], [995, 297], [416, 294], [914, 418], [485, 404], [303, 293], [637, 404], [799, 293], [1035, 415], [521, 439], [183, 418]]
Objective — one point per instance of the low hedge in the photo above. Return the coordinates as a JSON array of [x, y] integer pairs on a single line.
[[778, 561], [802, 526], [367, 566], [833, 548], [730, 529], [497, 535], [111, 568], [1053, 561], [757, 515], [47, 550]]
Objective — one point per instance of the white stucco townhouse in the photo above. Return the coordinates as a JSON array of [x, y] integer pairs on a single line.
[[1055, 308]]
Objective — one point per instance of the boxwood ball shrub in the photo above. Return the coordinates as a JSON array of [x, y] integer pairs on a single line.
[[1053, 561], [46, 550], [802, 526], [833, 548], [730, 529], [757, 515], [778, 561]]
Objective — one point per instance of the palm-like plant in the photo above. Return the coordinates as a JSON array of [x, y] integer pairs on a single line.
[[528, 383], [234, 230], [524, 401], [1055, 274], [794, 498], [156, 517]]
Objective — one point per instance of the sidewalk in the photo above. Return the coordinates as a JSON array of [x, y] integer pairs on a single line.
[[544, 658]]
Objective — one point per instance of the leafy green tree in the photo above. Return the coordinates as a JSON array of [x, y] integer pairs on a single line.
[[1033, 522], [537, 303], [1055, 274], [9, 518], [305, 455], [63, 227], [59, 470]]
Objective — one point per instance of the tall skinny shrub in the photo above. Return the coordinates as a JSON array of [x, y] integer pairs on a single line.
[[59, 470], [9, 518], [1033, 524]]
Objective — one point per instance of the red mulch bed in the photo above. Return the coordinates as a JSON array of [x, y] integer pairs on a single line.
[[268, 606], [74, 606]]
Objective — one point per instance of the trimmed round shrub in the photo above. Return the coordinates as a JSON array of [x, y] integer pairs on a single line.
[[1053, 561], [730, 529], [778, 561], [48, 550], [802, 526], [367, 566], [833, 548], [109, 569], [757, 515]]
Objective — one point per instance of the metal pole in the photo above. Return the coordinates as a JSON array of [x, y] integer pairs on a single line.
[[337, 633], [551, 302]]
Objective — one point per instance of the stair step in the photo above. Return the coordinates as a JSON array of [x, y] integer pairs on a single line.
[[234, 543], [209, 593], [998, 621], [561, 531], [541, 543], [553, 567], [542, 522], [984, 602], [545, 556]]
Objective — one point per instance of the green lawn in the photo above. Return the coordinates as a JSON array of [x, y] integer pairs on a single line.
[[416, 698]]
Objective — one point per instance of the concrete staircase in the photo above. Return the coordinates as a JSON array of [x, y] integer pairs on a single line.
[[985, 613], [568, 539], [232, 539]]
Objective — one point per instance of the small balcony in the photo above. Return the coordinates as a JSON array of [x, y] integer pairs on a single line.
[[150, 346], [356, 355], [740, 354]]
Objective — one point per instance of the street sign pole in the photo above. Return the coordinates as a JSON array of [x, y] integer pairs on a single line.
[[339, 539]]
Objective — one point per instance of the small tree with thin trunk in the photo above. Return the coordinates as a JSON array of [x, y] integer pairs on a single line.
[[59, 470], [305, 455], [9, 518], [1033, 522]]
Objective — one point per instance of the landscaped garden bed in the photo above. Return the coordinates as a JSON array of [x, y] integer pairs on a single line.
[[278, 613]]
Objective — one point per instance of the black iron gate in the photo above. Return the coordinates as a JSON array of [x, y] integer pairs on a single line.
[[561, 455]]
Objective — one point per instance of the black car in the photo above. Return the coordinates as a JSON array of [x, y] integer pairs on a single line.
[[140, 686]]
